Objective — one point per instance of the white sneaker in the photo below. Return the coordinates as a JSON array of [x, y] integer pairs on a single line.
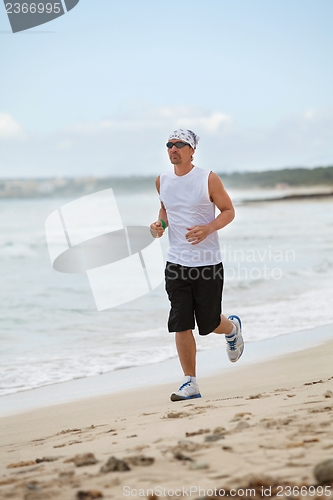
[[235, 345], [188, 390]]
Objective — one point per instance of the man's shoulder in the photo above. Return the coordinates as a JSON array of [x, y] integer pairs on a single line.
[[165, 175], [214, 177], [204, 173], [159, 179]]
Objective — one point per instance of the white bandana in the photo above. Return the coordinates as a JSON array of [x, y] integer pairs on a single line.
[[185, 135]]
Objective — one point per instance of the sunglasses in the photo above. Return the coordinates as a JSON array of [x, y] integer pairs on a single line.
[[179, 145]]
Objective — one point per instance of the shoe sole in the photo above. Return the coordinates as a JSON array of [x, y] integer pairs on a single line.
[[175, 397]]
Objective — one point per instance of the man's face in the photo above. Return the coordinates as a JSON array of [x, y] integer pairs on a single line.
[[179, 156]]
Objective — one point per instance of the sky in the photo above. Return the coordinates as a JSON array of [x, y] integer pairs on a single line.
[[98, 91]]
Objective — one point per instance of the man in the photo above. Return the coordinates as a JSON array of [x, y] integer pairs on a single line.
[[194, 271]]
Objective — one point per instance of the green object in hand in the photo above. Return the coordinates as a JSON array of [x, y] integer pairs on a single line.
[[163, 223]]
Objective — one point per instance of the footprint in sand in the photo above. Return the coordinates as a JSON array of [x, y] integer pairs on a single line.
[[258, 396], [315, 382], [197, 433], [176, 414], [320, 410]]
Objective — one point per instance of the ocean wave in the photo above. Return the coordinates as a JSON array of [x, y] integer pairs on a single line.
[[34, 372]]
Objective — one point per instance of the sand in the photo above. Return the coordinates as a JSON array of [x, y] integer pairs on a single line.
[[263, 426]]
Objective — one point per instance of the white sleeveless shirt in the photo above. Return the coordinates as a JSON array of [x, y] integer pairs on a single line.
[[187, 203]]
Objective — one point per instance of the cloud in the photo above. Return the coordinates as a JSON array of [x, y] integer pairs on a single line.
[[187, 117], [9, 128], [132, 142], [150, 119], [210, 123]]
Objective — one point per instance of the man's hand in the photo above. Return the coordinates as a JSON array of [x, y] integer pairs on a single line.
[[156, 229], [196, 234]]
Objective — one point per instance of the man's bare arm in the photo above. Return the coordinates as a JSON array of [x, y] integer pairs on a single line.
[[220, 197], [156, 228], [222, 200]]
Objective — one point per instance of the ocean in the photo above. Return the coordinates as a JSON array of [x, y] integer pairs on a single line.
[[278, 264]]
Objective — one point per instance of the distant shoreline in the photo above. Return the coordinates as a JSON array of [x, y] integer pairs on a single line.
[[290, 197], [61, 187], [287, 178]]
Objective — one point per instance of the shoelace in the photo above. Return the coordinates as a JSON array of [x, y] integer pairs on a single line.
[[184, 385], [232, 344]]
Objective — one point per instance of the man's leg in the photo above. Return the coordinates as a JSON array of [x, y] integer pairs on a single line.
[[225, 326], [186, 348]]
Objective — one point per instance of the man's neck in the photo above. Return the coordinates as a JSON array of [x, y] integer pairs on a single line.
[[183, 169]]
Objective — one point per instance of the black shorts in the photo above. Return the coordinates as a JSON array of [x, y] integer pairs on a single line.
[[195, 294]]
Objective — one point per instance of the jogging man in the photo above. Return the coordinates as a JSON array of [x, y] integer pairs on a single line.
[[194, 271]]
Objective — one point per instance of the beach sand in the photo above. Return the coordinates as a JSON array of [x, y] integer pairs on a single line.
[[262, 426]]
